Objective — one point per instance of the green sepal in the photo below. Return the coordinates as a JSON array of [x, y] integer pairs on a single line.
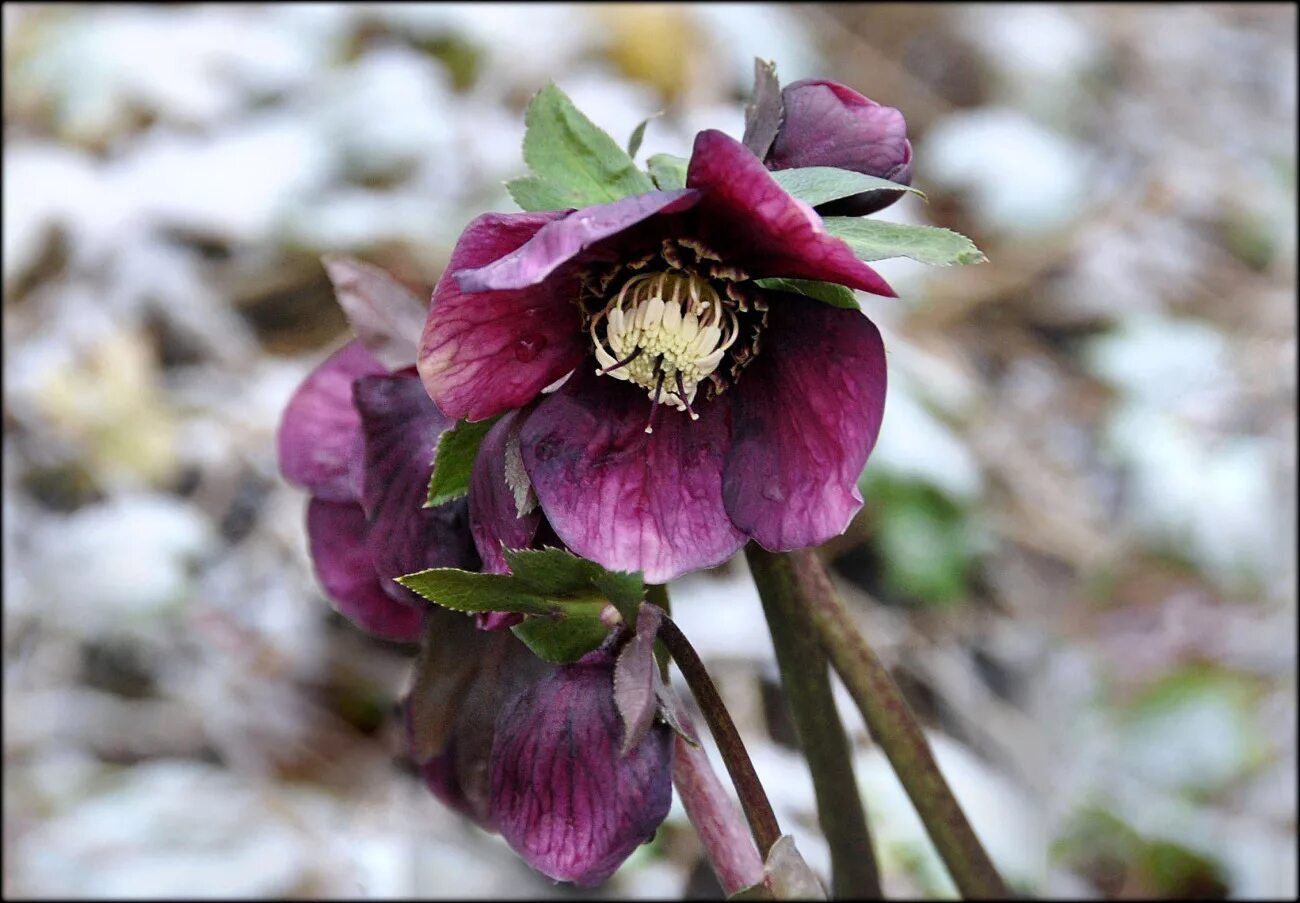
[[453, 462]]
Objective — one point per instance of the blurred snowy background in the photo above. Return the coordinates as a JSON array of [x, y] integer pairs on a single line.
[[1077, 552]]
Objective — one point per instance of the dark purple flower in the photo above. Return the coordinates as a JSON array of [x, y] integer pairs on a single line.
[[361, 440], [829, 124], [533, 751], [770, 401]]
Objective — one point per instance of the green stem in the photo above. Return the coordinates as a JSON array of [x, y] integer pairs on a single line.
[[811, 703], [753, 799], [895, 728]]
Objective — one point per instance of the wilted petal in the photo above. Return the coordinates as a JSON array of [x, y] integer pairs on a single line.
[[829, 124], [320, 431], [493, 513], [751, 220], [558, 242], [336, 534], [401, 428], [624, 499], [806, 415], [562, 794], [384, 315], [487, 352]]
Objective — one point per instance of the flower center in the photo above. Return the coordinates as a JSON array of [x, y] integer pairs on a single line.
[[665, 332]]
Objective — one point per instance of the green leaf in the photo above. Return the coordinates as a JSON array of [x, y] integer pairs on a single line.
[[532, 193], [573, 163], [825, 292], [638, 133], [568, 639], [454, 461], [822, 184], [625, 589], [873, 239], [668, 172], [558, 573], [470, 592]]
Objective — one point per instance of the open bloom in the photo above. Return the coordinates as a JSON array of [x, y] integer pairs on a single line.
[[699, 409], [829, 124], [361, 438], [534, 751]]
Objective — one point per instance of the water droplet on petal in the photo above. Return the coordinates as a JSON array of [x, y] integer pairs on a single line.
[[772, 492]]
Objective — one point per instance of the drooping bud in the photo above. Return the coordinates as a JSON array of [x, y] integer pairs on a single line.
[[829, 124], [564, 795]]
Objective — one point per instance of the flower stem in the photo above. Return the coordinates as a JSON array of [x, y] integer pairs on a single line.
[[753, 799], [717, 819], [806, 681], [895, 728]]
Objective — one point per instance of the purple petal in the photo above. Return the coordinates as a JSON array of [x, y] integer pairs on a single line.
[[493, 514], [562, 794], [624, 499], [465, 675], [401, 428], [558, 242], [320, 431], [751, 220], [487, 352], [385, 316], [829, 124], [807, 413], [336, 534]]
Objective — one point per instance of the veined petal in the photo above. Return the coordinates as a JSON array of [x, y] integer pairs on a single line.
[[558, 242], [401, 427], [484, 352], [320, 432], [625, 499], [336, 534], [753, 222], [462, 678], [493, 513], [563, 795], [806, 415]]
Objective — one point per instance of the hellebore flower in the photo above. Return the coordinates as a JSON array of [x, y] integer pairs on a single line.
[[829, 124], [360, 438], [699, 409], [533, 751]]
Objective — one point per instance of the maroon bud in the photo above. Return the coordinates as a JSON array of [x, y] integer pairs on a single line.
[[564, 794], [829, 124]]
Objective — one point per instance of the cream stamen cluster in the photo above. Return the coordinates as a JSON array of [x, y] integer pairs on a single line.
[[665, 332]]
